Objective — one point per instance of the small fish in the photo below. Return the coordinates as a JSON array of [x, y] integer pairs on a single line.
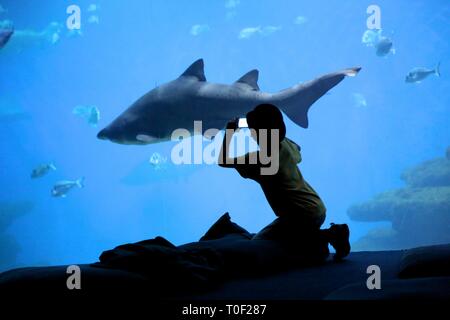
[[416, 75], [5, 35], [359, 100], [300, 20], [94, 19], [93, 7], [90, 113], [384, 46], [61, 188], [157, 160], [74, 33], [42, 170], [94, 117]]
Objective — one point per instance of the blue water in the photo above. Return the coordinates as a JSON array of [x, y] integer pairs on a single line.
[[350, 153]]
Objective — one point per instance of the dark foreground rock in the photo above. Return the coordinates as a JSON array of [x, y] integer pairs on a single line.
[[228, 264]]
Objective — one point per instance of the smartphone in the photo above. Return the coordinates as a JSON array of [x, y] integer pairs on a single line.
[[242, 123]]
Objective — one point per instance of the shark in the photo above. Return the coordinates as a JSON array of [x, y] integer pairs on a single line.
[[177, 104]]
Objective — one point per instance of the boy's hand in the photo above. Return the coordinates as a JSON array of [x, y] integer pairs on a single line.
[[233, 124]]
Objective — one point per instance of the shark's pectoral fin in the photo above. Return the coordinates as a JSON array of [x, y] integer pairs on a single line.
[[145, 138], [250, 79], [196, 70]]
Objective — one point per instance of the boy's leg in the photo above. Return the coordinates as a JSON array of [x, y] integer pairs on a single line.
[[273, 231], [305, 238]]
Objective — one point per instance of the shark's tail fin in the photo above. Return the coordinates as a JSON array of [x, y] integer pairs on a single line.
[[437, 71], [80, 182], [296, 101]]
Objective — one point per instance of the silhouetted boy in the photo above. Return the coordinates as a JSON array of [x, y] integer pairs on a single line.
[[299, 209]]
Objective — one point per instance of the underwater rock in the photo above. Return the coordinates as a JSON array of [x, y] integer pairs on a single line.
[[433, 173], [377, 239], [10, 211], [8, 251], [419, 213], [385, 206], [422, 212]]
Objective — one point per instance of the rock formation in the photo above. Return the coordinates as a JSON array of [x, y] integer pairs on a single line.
[[419, 213], [9, 211]]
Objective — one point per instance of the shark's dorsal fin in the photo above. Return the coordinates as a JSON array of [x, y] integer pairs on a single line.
[[195, 70], [250, 79]]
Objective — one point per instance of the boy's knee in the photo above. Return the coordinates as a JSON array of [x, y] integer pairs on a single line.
[[319, 211]]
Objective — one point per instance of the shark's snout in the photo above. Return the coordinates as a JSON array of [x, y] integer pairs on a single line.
[[103, 134], [124, 137]]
